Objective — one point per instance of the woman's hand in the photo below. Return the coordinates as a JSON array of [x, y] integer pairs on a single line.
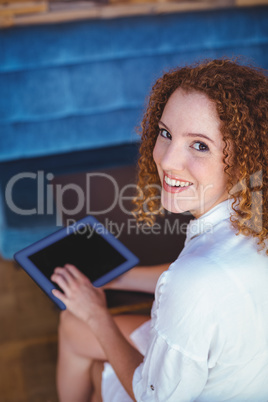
[[79, 295]]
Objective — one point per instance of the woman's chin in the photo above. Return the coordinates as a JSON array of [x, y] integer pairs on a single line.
[[175, 206]]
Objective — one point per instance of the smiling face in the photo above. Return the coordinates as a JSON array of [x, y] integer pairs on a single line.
[[189, 154]]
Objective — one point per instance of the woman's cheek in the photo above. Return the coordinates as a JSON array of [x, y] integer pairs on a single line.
[[155, 153]]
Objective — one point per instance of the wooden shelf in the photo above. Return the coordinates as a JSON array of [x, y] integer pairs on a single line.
[[19, 12], [19, 8]]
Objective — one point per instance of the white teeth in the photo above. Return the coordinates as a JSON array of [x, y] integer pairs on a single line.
[[177, 183]]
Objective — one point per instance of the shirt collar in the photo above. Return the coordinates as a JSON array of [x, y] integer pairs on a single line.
[[207, 221]]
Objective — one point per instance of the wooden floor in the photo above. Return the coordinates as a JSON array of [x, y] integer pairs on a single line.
[[28, 339], [28, 334]]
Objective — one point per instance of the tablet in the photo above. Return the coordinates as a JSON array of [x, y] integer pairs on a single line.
[[87, 244]]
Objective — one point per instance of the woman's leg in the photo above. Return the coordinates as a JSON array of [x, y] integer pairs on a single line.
[[96, 378], [78, 348]]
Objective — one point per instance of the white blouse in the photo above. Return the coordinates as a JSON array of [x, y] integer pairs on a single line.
[[209, 328]]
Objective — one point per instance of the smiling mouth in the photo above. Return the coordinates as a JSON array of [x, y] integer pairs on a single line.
[[177, 183]]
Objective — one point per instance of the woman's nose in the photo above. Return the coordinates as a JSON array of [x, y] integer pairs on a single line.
[[174, 159]]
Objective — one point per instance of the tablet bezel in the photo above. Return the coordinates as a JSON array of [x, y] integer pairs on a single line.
[[22, 256]]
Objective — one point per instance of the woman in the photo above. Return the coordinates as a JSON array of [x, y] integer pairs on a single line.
[[205, 141]]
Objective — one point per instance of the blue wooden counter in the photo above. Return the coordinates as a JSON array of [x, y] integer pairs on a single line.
[[71, 89]]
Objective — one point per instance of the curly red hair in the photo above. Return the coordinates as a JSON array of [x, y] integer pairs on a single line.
[[240, 94]]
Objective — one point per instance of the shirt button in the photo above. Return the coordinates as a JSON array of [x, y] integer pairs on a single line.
[[152, 387]]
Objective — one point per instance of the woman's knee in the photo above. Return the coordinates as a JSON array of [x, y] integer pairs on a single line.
[[76, 337], [67, 324], [70, 330]]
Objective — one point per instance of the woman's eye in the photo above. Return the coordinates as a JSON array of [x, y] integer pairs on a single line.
[[165, 134], [200, 146]]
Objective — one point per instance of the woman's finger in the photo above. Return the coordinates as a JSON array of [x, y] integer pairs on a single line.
[[65, 273], [63, 279], [74, 271], [61, 296]]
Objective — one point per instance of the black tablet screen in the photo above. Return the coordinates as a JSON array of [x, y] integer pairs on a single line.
[[88, 251]]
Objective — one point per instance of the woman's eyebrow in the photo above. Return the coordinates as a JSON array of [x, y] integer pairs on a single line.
[[189, 134], [163, 124], [199, 135]]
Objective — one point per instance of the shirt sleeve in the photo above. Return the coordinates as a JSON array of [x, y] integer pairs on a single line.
[[167, 375], [175, 367]]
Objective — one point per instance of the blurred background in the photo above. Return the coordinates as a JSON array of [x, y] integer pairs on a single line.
[[74, 77]]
